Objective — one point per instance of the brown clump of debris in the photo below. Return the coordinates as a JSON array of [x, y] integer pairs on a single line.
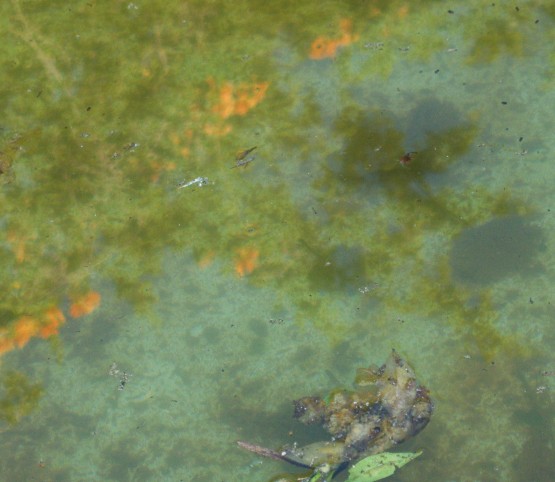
[[387, 407]]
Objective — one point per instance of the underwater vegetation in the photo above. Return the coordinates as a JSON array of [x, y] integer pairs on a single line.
[[96, 142], [18, 396], [351, 158], [388, 407]]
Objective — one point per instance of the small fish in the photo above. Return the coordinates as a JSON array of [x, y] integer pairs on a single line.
[[241, 158], [241, 155], [199, 181]]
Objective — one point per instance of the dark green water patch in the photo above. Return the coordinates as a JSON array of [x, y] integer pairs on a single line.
[[372, 159], [429, 118], [497, 249], [340, 269]]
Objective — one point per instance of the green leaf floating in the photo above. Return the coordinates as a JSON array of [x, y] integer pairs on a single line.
[[379, 466]]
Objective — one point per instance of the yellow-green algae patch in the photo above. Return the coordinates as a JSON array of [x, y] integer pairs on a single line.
[[111, 108], [108, 134], [18, 396]]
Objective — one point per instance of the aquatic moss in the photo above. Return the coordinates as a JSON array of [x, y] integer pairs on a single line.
[[18, 396], [100, 138]]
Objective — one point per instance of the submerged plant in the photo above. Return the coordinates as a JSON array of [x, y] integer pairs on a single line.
[[388, 407], [372, 468]]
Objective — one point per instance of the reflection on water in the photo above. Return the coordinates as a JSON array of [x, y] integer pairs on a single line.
[[142, 231]]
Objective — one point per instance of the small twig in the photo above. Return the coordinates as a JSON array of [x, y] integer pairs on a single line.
[[271, 454]]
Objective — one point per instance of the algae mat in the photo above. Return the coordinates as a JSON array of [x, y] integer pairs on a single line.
[[208, 211]]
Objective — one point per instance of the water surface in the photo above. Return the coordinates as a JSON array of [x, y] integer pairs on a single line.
[[165, 292]]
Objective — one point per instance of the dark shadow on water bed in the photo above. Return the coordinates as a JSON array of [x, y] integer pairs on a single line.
[[497, 249]]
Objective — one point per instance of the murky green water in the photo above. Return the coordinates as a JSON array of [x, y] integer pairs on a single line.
[[166, 293]]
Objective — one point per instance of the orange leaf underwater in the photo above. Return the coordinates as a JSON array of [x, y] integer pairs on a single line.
[[44, 326], [324, 47], [85, 305], [246, 260], [238, 100]]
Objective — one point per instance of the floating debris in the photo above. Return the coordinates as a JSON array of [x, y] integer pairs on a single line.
[[388, 407], [131, 146], [407, 158], [368, 288], [374, 45], [121, 374], [199, 181]]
